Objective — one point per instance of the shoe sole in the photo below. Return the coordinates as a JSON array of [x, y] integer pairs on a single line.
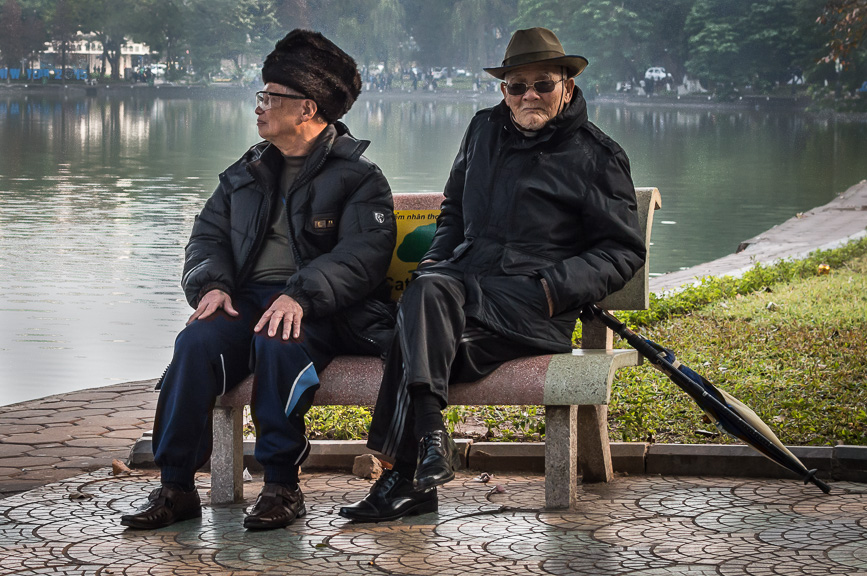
[[131, 523], [254, 526], [420, 508]]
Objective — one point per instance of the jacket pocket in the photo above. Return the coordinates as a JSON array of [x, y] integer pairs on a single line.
[[324, 223], [519, 262], [320, 233]]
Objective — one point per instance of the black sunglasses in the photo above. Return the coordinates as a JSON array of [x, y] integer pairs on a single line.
[[541, 87]]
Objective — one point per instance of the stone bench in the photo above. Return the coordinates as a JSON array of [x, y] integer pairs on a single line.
[[574, 388]]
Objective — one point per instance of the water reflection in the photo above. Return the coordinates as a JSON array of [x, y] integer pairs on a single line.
[[97, 197]]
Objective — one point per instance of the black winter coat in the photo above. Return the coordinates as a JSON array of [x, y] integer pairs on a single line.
[[341, 226], [559, 206]]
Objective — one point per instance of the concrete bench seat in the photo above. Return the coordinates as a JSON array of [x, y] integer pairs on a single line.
[[574, 388]]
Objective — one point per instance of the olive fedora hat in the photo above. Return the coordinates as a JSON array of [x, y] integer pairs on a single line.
[[537, 46]]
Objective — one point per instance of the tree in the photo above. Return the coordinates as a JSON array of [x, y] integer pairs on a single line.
[[236, 30], [847, 20], [480, 31], [663, 42], [715, 42], [387, 24], [63, 27], [610, 34], [112, 22], [163, 26], [430, 26], [22, 33], [747, 43], [11, 34]]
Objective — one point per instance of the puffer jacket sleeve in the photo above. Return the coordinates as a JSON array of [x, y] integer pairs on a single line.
[[208, 262], [450, 222], [615, 247], [359, 261]]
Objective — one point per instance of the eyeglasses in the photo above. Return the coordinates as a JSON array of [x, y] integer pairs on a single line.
[[265, 100], [541, 87]]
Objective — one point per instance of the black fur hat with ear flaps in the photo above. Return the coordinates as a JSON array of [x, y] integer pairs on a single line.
[[313, 65]]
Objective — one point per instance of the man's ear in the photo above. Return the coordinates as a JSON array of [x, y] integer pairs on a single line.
[[569, 86], [309, 109]]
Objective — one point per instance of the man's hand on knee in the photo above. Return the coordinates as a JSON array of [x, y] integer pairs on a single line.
[[210, 303], [285, 310]]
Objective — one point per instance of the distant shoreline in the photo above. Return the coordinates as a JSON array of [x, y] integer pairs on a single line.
[[233, 91], [756, 102]]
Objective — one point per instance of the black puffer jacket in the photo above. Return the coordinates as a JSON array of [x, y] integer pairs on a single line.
[[559, 206], [341, 226]]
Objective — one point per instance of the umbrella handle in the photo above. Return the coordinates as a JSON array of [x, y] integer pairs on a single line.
[[811, 477]]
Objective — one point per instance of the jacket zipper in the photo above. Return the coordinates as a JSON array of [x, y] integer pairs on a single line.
[[260, 237], [299, 262]]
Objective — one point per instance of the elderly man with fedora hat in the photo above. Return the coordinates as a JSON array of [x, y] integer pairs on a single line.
[[539, 219], [285, 268]]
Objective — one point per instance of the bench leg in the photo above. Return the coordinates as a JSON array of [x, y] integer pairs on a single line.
[[594, 450], [227, 456], [561, 461]]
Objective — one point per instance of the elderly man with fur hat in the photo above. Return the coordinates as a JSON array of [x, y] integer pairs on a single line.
[[291, 249], [539, 219]]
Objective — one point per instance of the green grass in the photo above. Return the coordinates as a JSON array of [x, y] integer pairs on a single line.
[[795, 353], [787, 340]]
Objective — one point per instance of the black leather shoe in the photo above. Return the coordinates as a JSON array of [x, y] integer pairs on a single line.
[[166, 505], [277, 506], [438, 458], [391, 497]]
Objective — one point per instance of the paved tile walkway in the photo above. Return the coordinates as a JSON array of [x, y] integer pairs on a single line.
[[57, 437], [637, 526]]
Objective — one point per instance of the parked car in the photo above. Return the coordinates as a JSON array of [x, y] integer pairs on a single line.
[[656, 74], [438, 73]]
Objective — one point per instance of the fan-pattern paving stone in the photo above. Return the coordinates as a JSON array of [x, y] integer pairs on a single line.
[[635, 526]]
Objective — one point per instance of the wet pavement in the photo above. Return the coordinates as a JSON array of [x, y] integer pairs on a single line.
[[641, 525]]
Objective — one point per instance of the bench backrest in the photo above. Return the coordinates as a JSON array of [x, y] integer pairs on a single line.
[[416, 223]]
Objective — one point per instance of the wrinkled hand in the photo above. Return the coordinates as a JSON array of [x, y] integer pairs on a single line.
[[285, 310], [210, 303]]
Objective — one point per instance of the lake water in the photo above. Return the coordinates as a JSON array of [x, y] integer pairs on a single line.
[[98, 195]]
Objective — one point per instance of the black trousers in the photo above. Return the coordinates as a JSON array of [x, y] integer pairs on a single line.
[[435, 344]]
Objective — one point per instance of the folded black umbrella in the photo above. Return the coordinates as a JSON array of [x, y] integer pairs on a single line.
[[728, 413]]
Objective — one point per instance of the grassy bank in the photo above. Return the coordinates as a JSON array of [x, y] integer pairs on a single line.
[[789, 340]]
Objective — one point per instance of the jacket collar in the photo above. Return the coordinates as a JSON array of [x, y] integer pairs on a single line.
[[560, 127], [263, 160]]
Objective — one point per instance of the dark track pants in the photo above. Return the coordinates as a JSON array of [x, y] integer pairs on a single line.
[[435, 343], [212, 356]]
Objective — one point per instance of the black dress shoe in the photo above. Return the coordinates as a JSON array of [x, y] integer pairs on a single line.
[[277, 506], [391, 497], [438, 458], [166, 505]]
